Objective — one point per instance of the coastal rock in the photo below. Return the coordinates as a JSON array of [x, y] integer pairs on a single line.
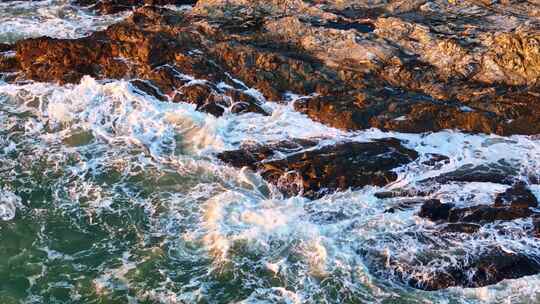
[[302, 167], [435, 210], [488, 268], [517, 196], [135, 48], [487, 214], [393, 67], [116, 6], [498, 173], [461, 228]]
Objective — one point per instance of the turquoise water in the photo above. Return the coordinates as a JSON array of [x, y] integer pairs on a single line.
[[110, 196]]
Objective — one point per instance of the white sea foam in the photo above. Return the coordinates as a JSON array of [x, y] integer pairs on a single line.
[[53, 18], [8, 205], [234, 218]]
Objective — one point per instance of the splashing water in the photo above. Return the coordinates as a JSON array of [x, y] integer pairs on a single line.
[[53, 18], [108, 195]]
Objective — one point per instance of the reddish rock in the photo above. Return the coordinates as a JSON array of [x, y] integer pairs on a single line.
[[313, 172], [116, 6]]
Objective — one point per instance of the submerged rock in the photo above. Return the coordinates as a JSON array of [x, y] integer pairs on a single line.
[[302, 167], [517, 196], [485, 269]]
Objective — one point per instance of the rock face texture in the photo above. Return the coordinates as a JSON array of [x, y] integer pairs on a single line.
[[407, 66], [116, 6], [301, 167], [403, 65]]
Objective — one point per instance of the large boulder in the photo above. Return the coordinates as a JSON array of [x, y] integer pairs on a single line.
[[301, 167]]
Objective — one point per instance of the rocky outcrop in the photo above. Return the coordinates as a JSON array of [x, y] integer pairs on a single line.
[[437, 211], [116, 6], [157, 57], [302, 167], [517, 196], [408, 66], [393, 66], [487, 268]]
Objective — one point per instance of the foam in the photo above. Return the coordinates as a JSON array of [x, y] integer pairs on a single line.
[[8, 205], [53, 18], [205, 210]]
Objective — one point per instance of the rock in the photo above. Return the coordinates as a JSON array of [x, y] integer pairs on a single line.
[[399, 193], [116, 6], [498, 173], [435, 210], [5, 47], [302, 167], [436, 160], [489, 268], [147, 47], [461, 228], [487, 214], [536, 225], [517, 196], [393, 66], [403, 206]]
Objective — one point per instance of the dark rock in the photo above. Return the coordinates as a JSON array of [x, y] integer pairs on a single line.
[[362, 27], [313, 171], [536, 225], [116, 6], [5, 47], [210, 99], [489, 268], [405, 76], [517, 196], [461, 228], [499, 173], [436, 160], [402, 206], [148, 88], [399, 193], [487, 214], [435, 210]]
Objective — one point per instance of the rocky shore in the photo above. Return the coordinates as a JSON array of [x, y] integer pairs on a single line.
[[406, 66]]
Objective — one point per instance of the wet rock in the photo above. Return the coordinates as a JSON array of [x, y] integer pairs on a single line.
[[396, 66], [536, 225], [303, 167], [498, 173], [517, 196], [487, 214], [5, 47], [211, 99], [116, 6], [461, 228], [436, 160], [399, 193], [403, 206], [486, 269], [435, 210]]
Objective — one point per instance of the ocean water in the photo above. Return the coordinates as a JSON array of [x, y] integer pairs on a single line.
[[108, 195]]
